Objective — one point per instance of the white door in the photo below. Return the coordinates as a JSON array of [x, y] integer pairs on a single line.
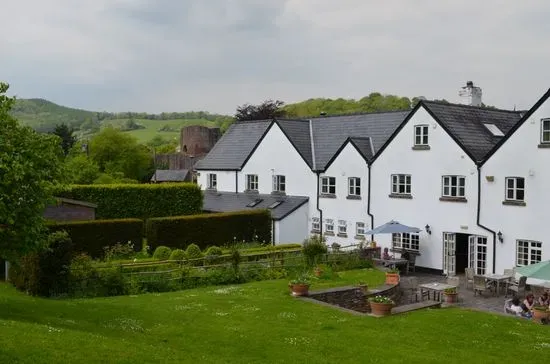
[[449, 254], [477, 254]]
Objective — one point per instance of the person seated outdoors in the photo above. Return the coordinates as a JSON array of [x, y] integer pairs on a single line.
[[528, 303], [544, 300], [386, 255], [518, 308]]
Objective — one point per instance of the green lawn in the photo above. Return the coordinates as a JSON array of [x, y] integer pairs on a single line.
[[253, 323]]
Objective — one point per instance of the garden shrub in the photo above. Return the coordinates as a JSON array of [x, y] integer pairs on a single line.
[[83, 277], [162, 253], [112, 281], [119, 251], [91, 237], [177, 254], [194, 252], [313, 248], [213, 254], [118, 201], [207, 229]]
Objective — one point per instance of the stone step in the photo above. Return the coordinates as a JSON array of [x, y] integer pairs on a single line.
[[415, 306]]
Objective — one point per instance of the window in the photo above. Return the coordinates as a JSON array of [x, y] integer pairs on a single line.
[[454, 186], [329, 226], [401, 184], [212, 180], [421, 135], [406, 241], [545, 131], [515, 188], [528, 252], [328, 185], [279, 183], [342, 227], [359, 228], [254, 203], [354, 186], [274, 204], [315, 224], [252, 182]]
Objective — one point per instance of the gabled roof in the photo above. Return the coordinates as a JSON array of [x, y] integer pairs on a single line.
[[170, 175], [298, 132], [466, 125], [362, 145], [229, 201]]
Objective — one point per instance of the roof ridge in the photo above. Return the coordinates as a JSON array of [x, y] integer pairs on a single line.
[[484, 108], [356, 113]]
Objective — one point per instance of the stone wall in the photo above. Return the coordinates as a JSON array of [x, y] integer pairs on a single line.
[[198, 140]]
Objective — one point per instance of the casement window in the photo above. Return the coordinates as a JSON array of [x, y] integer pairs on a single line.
[[279, 183], [354, 186], [420, 135], [401, 184], [359, 228], [515, 189], [454, 186], [315, 224], [545, 131], [528, 252], [328, 185], [406, 241], [252, 182], [211, 181], [342, 227], [329, 226]]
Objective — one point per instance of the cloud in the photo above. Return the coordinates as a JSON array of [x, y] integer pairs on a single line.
[[170, 55]]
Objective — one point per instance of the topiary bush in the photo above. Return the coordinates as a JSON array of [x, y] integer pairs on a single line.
[[162, 253], [118, 201], [177, 254], [212, 255]]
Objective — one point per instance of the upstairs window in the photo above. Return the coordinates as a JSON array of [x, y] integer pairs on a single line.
[[401, 184], [454, 186], [212, 181], [421, 135], [354, 186], [252, 182], [342, 227], [515, 188], [279, 183], [328, 185], [359, 228], [545, 131], [315, 224]]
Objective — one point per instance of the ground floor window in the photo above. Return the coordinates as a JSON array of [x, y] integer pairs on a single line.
[[406, 241], [329, 226], [315, 224], [528, 252]]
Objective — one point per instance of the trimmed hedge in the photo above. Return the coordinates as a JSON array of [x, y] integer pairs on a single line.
[[91, 237], [209, 229], [119, 201]]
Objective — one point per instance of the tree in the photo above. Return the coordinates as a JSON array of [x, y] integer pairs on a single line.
[[30, 167], [67, 137], [269, 109], [81, 169]]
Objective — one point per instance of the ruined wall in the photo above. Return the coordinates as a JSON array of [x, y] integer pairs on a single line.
[[198, 140]]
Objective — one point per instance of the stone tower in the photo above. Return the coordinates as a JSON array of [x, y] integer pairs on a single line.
[[197, 140]]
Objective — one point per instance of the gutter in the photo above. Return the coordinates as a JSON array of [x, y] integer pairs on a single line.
[[273, 231], [318, 174], [318, 208], [236, 181], [368, 202], [478, 218]]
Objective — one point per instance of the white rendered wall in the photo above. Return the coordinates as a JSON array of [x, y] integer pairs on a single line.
[[225, 180], [294, 227]]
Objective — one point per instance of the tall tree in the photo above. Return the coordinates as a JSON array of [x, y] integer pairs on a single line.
[[67, 137], [268, 109], [30, 167]]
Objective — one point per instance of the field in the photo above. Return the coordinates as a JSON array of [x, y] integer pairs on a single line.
[[253, 323]]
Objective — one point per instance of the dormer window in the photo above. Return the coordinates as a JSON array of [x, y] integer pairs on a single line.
[[421, 137], [545, 131]]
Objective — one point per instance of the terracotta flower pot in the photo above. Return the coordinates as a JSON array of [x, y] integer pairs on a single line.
[[300, 289], [381, 309], [318, 272], [539, 315], [451, 297], [392, 278]]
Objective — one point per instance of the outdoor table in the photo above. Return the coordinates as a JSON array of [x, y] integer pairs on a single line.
[[392, 263], [436, 287], [497, 278]]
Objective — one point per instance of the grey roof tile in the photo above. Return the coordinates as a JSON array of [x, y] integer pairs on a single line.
[[170, 175], [299, 134], [365, 146], [466, 124], [229, 201]]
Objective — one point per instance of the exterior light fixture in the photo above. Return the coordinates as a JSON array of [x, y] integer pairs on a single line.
[[428, 230], [499, 235]]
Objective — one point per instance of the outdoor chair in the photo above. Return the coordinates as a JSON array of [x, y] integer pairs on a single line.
[[412, 261], [480, 285], [416, 291], [517, 288], [469, 277], [537, 291]]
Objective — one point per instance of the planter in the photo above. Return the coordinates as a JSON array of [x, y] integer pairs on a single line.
[[299, 289], [392, 278], [364, 288], [381, 309], [451, 297], [540, 315], [318, 272], [373, 244]]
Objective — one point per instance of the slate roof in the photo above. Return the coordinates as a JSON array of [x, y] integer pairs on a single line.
[[299, 134], [465, 124], [365, 146], [215, 201], [170, 175]]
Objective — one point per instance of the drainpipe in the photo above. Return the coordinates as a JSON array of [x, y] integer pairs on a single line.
[[318, 208], [236, 181], [273, 231], [368, 203], [478, 217]]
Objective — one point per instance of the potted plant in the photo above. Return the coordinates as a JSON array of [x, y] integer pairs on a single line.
[[300, 285], [318, 271], [373, 244], [392, 276], [540, 314], [381, 305], [451, 295]]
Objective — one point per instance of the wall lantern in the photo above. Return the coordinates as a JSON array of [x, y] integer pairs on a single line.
[[428, 230], [499, 235]]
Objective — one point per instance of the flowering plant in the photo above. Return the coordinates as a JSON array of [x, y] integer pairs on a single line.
[[381, 299], [304, 278]]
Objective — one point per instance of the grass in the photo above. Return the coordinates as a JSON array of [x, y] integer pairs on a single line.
[[253, 323]]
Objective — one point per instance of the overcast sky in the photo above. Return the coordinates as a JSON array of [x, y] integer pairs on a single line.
[[181, 55]]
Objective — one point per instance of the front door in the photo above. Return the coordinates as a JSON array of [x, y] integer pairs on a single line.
[[449, 254], [477, 254]]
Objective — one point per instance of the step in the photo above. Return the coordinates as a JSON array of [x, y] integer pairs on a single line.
[[415, 306]]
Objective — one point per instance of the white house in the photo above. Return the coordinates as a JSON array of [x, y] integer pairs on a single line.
[[427, 176], [515, 190]]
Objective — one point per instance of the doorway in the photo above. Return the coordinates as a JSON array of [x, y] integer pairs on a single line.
[[461, 252]]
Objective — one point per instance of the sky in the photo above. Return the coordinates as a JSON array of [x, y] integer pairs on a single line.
[[213, 55]]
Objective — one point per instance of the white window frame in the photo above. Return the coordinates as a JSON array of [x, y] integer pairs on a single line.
[[252, 182], [451, 183], [328, 185], [342, 227], [531, 252], [511, 190], [408, 241], [279, 183], [360, 228], [354, 186], [329, 226], [315, 224], [397, 184], [421, 134], [212, 181], [545, 131]]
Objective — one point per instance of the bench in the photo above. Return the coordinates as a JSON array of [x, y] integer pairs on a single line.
[[415, 306]]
